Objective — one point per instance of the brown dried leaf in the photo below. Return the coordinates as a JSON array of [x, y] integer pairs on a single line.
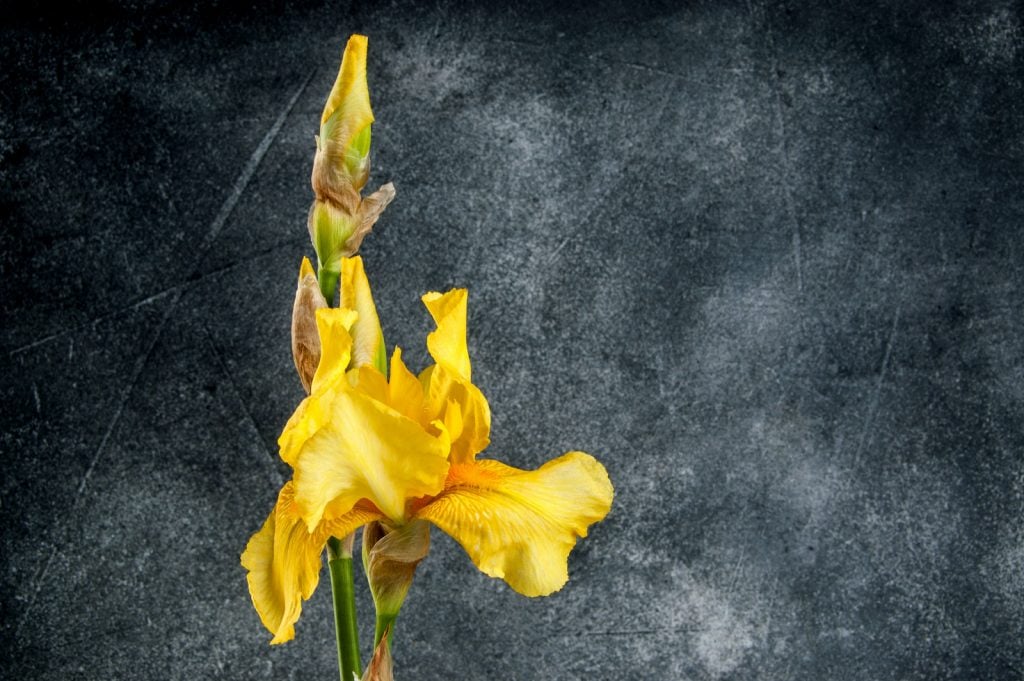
[[380, 667], [369, 211], [331, 181]]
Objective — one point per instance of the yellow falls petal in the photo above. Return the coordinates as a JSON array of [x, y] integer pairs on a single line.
[[447, 344], [521, 525], [369, 451], [307, 418], [367, 337], [283, 561]]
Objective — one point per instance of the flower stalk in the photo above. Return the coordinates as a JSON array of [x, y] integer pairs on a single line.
[[338, 221], [328, 282], [339, 558]]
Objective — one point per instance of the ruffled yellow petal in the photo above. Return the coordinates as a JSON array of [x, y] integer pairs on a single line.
[[308, 418], [349, 101], [283, 560], [370, 382], [521, 525], [369, 451], [367, 337], [447, 344], [405, 388], [335, 346], [403, 392], [451, 398], [461, 407], [313, 413]]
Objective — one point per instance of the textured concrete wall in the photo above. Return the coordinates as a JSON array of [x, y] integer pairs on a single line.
[[762, 259]]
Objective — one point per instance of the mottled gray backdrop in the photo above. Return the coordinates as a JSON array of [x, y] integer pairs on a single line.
[[762, 259]]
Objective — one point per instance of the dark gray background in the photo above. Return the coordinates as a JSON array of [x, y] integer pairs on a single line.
[[762, 259]]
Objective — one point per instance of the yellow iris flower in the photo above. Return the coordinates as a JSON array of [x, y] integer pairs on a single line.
[[402, 448]]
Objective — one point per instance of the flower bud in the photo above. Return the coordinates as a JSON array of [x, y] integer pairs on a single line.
[[337, 234], [342, 162], [340, 218], [305, 338], [390, 558], [330, 228]]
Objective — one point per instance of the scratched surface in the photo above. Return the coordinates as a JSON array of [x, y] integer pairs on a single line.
[[763, 260]]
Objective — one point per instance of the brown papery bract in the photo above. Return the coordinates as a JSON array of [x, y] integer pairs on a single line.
[[305, 337]]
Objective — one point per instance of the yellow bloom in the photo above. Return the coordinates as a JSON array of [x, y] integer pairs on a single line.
[[403, 448]]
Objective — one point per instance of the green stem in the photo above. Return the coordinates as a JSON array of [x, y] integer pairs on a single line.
[[383, 624], [329, 287], [339, 555]]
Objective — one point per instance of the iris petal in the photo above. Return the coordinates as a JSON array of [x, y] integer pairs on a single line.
[[333, 325], [367, 337], [404, 390], [348, 106], [366, 450], [313, 413], [447, 344], [445, 390], [283, 560], [521, 525]]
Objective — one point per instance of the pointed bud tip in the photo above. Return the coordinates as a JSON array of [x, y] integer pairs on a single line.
[[381, 667], [356, 41], [351, 80]]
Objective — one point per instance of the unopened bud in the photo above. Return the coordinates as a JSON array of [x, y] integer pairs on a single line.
[[330, 228], [305, 337], [337, 234], [340, 218], [343, 147], [390, 559]]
